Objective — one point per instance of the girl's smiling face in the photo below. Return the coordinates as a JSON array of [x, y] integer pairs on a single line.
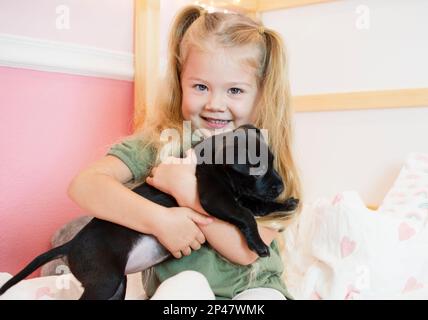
[[218, 91]]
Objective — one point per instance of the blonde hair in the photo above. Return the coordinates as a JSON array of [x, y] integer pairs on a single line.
[[194, 27]]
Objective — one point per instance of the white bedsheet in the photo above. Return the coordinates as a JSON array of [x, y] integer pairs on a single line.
[[61, 287]]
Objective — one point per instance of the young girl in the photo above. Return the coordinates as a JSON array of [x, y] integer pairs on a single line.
[[224, 70]]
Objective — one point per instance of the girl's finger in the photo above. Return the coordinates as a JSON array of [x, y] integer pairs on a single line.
[[190, 157], [171, 160], [187, 251], [177, 254], [195, 245], [168, 160], [199, 218], [200, 238]]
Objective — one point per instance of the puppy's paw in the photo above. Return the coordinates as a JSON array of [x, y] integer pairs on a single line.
[[254, 241], [291, 204], [263, 251], [260, 248]]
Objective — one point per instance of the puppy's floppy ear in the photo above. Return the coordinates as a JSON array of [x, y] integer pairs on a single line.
[[241, 168], [244, 139], [255, 143], [258, 153], [231, 147], [242, 150]]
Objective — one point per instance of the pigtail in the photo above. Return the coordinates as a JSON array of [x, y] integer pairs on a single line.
[[179, 27], [276, 93], [274, 72], [168, 100]]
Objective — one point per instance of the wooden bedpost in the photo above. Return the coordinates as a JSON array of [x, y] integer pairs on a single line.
[[146, 59]]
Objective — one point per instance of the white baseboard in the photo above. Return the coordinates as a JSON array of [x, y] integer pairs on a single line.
[[52, 56]]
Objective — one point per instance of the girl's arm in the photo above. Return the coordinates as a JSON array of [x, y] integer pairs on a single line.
[[99, 190], [224, 237], [227, 240]]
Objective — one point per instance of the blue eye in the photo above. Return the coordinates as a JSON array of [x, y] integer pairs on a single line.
[[200, 87], [236, 91]]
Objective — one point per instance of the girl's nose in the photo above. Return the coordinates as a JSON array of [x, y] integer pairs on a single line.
[[216, 104]]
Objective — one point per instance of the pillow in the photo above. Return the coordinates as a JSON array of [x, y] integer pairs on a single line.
[[408, 197]]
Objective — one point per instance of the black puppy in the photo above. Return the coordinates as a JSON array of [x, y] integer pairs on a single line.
[[102, 253]]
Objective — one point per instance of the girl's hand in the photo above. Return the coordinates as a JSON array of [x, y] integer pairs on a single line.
[[178, 232], [176, 176]]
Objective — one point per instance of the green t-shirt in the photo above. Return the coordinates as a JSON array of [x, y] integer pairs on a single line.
[[225, 278], [136, 155]]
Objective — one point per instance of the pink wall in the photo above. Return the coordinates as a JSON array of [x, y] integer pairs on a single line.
[[52, 125]]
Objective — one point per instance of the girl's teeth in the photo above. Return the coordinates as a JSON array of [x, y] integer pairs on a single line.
[[218, 121]]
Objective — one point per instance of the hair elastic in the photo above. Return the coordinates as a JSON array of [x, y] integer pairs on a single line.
[[261, 30]]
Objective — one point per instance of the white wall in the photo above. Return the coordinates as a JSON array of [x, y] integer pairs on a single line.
[[356, 150], [107, 24], [329, 53]]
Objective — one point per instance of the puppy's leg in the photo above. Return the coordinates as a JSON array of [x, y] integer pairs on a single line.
[[100, 270], [107, 288], [251, 233], [224, 207], [121, 290]]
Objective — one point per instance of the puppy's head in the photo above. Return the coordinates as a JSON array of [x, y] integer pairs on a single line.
[[248, 163]]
